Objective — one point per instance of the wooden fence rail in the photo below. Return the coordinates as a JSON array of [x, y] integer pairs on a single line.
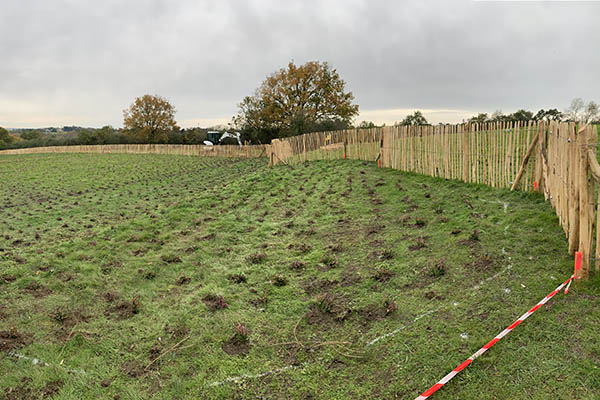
[[557, 159], [254, 151]]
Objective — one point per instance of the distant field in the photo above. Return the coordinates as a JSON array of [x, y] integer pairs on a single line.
[[141, 276]]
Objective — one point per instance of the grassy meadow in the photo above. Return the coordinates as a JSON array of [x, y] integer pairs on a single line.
[[176, 277]]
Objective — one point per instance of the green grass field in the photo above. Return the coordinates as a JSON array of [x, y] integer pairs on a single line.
[[173, 277]]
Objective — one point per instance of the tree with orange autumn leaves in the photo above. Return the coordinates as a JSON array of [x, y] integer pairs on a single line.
[[149, 119], [296, 100]]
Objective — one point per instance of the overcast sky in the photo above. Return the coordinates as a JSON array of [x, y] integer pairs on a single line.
[[82, 62]]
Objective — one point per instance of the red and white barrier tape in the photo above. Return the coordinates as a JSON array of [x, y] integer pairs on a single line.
[[492, 342]]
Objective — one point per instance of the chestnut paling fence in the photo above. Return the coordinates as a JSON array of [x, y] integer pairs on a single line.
[[254, 151], [555, 158]]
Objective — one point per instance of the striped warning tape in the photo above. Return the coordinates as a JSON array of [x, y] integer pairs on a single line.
[[495, 340]]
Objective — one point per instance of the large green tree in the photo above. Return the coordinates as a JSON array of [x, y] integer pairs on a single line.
[[548, 115], [32, 134], [296, 100], [149, 119], [521, 115], [104, 134], [480, 118], [366, 125], [416, 118]]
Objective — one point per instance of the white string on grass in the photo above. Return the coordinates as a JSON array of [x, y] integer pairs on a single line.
[[377, 339], [489, 278], [36, 361], [241, 378]]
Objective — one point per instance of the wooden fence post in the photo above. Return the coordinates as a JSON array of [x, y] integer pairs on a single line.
[[593, 163], [304, 146], [380, 158], [573, 191], [524, 164], [584, 217], [538, 173], [464, 133]]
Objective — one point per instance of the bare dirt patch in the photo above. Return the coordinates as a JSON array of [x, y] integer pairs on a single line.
[[171, 258], [373, 229], [328, 262], [483, 263], [279, 280], [383, 275], [214, 302], [7, 278], [419, 243], [37, 290], [183, 280], [51, 388], [67, 320], [110, 296], [260, 301], [328, 308], [315, 286], [106, 382], [472, 241], [438, 269], [431, 295], [210, 236], [301, 248], [108, 267], [256, 258], [20, 392], [297, 265], [376, 312], [133, 369], [382, 255], [236, 346], [237, 278], [336, 248], [350, 277], [420, 223], [12, 339], [125, 309], [177, 332]]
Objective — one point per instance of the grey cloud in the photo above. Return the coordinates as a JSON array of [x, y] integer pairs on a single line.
[[87, 60]]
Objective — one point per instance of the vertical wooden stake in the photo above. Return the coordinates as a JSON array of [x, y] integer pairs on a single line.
[[538, 159], [584, 217], [592, 141], [379, 160], [573, 190], [464, 134]]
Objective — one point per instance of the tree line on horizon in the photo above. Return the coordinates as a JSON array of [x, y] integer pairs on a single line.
[[291, 101], [22, 138]]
